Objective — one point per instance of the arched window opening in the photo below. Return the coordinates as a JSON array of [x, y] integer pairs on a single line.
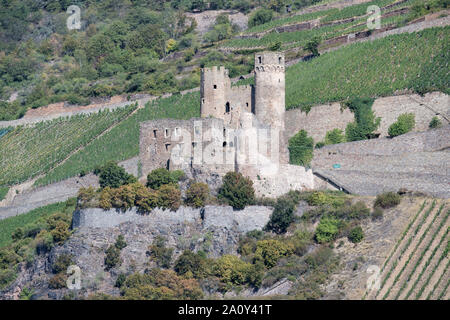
[[227, 107]]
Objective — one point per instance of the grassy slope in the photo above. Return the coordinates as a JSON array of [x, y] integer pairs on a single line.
[[29, 151], [8, 225], [122, 142]]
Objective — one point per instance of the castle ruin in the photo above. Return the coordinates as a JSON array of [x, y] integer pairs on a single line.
[[241, 129]]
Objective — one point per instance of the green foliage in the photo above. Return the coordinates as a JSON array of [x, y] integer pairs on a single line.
[[313, 46], [270, 251], [259, 17], [365, 122], [371, 69], [327, 230], [197, 194], [122, 142], [319, 198], [387, 200], [169, 197], [112, 258], [160, 284], [405, 123], [356, 234], [190, 264], [301, 149], [162, 176], [282, 216], [112, 175], [3, 192], [158, 252], [120, 242], [231, 270], [334, 136], [62, 263], [434, 123], [237, 190], [28, 221], [29, 151]]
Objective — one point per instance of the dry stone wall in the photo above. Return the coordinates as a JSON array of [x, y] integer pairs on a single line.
[[323, 118]]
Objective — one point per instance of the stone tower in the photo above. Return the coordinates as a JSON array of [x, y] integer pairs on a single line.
[[269, 88], [214, 87]]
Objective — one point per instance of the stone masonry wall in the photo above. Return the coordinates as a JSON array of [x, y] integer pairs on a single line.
[[323, 118]]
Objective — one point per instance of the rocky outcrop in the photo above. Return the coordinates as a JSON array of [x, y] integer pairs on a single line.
[[213, 229]]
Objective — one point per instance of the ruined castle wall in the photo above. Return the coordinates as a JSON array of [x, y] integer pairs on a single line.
[[323, 118]]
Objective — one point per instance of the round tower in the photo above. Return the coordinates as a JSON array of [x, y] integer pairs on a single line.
[[269, 88]]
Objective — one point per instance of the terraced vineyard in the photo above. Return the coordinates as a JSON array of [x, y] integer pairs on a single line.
[[418, 265], [30, 151], [416, 61], [122, 142]]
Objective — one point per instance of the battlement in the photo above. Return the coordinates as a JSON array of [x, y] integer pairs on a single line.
[[215, 70], [273, 59]]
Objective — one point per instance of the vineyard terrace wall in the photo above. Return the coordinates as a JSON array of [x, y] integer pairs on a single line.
[[323, 118]]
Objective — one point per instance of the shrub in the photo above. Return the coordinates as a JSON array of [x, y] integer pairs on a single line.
[[58, 281], [146, 200], [85, 194], [387, 200], [270, 251], [159, 253], [282, 216], [160, 284], [62, 263], [356, 234], [197, 194], [190, 264], [120, 280], [169, 197], [61, 232], [334, 136], [260, 16], [435, 123], [120, 242], [231, 270], [112, 175], [365, 122], [405, 123], [237, 190], [327, 230], [301, 149], [162, 176], [377, 214], [6, 277], [112, 258], [313, 46]]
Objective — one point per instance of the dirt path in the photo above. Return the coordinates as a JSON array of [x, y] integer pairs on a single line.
[[423, 254], [401, 259]]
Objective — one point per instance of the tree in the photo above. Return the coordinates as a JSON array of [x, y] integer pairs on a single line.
[[112, 175], [313, 46], [162, 176], [405, 123], [169, 197], [191, 264], [260, 16], [282, 216], [270, 251], [197, 194], [237, 190], [301, 149], [112, 258]]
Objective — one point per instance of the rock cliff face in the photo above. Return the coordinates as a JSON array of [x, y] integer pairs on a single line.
[[213, 229]]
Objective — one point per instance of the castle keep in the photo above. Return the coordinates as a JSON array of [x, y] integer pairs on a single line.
[[241, 129]]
